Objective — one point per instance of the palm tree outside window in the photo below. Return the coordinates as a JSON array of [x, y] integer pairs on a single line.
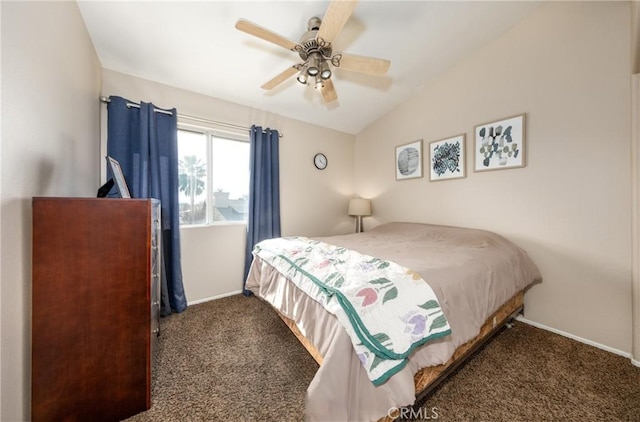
[[192, 173]]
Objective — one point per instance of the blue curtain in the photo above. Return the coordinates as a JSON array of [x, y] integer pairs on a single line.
[[264, 192], [145, 143]]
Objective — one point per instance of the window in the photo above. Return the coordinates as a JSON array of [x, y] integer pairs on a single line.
[[213, 176]]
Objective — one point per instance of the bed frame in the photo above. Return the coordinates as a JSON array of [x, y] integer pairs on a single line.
[[427, 379]]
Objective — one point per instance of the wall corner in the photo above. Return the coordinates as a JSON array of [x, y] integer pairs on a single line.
[[635, 224]]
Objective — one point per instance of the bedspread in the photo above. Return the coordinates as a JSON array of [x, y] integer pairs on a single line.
[[387, 310]]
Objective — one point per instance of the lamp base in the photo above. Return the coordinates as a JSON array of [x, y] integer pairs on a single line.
[[359, 228]]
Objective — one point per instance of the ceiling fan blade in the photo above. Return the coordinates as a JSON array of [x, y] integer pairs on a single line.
[[363, 64], [264, 33], [337, 15], [289, 72], [329, 92]]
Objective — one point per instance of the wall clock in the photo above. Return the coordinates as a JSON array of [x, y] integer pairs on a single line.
[[320, 161]]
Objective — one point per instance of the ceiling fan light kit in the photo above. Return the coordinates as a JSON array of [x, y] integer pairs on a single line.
[[302, 76], [316, 52], [325, 72], [314, 64]]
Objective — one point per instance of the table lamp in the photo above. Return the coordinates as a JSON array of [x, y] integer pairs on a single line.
[[359, 207]]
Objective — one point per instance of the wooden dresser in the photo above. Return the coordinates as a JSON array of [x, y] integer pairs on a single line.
[[95, 307]]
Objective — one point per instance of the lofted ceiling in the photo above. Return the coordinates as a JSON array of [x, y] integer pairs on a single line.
[[194, 45]]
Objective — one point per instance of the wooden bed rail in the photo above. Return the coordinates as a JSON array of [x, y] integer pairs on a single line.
[[305, 342]]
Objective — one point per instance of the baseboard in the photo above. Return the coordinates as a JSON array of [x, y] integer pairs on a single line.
[[208, 299], [635, 362], [580, 339]]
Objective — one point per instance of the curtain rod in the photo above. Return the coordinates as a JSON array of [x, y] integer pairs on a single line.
[[182, 116]]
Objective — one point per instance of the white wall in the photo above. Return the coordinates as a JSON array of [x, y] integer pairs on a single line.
[[50, 141], [567, 66], [313, 202]]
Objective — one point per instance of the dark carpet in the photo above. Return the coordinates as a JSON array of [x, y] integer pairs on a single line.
[[234, 360]]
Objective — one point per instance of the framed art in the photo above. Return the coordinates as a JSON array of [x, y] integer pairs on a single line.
[[500, 144], [447, 158], [118, 177], [409, 160]]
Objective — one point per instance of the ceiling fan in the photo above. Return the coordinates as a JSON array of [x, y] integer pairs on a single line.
[[315, 50]]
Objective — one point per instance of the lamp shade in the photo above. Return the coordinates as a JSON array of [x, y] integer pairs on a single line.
[[359, 206]]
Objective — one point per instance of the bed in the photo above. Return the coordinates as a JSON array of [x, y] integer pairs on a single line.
[[479, 278]]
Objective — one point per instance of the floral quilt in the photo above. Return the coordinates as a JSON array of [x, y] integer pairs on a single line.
[[387, 310]]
